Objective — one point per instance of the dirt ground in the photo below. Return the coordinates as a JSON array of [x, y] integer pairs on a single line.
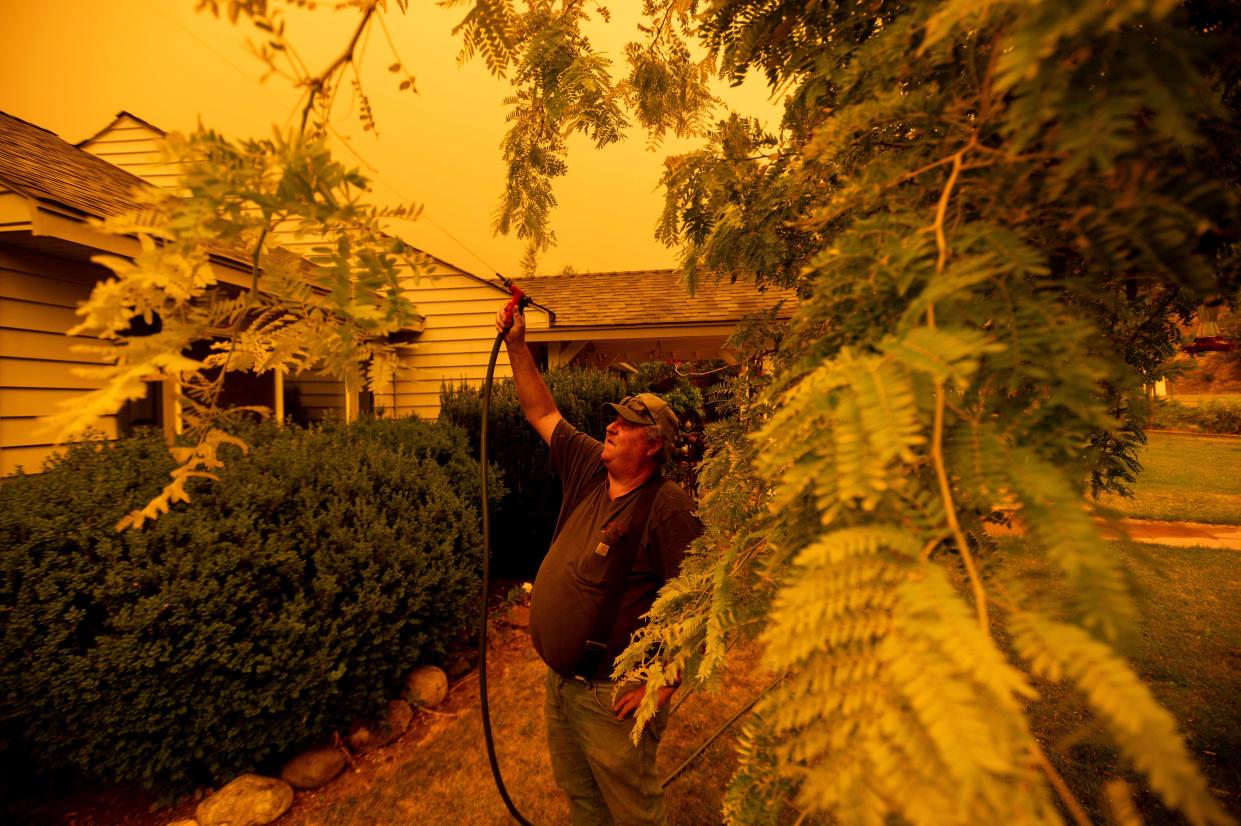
[[438, 772]]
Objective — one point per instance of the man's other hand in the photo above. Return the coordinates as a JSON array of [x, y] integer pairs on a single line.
[[627, 703]]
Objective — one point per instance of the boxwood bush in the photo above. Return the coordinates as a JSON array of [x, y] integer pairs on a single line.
[[281, 602]]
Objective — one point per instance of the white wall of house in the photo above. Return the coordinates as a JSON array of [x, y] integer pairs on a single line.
[[136, 147], [38, 294], [455, 343]]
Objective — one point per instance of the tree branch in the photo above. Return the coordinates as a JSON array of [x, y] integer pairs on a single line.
[[318, 83], [937, 435], [1062, 789]]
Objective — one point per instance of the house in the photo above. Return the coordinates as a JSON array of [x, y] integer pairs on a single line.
[[136, 146], [50, 190], [616, 319], [452, 342]]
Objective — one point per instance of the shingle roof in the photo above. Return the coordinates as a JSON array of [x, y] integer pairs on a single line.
[[40, 165], [645, 297]]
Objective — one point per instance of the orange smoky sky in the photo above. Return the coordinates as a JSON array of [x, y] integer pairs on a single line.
[[70, 65]]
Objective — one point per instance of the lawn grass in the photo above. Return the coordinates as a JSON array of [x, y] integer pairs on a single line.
[[1187, 479], [1187, 648]]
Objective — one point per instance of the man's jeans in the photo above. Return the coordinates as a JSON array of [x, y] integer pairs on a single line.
[[607, 778]]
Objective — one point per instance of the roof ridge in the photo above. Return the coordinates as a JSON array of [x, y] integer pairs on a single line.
[[603, 272], [124, 113], [28, 123]]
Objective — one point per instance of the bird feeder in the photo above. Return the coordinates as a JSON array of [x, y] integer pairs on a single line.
[[1208, 338]]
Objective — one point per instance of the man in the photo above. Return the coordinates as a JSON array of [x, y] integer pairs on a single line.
[[621, 534]]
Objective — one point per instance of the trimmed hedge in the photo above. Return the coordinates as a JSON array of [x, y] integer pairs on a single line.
[[276, 606], [1213, 417]]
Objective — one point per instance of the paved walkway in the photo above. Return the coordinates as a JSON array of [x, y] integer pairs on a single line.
[[1155, 532], [1183, 534]]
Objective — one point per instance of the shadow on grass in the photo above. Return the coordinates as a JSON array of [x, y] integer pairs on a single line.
[[1186, 479]]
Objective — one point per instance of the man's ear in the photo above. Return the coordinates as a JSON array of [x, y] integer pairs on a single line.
[[655, 449]]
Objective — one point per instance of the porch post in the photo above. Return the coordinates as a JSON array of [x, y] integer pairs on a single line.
[[351, 401], [172, 424], [278, 406]]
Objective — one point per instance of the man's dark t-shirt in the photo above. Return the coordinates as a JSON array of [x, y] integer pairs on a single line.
[[573, 578]]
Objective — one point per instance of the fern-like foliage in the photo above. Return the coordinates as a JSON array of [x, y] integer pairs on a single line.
[[562, 86], [995, 214], [285, 314], [488, 29], [726, 204], [1145, 732], [667, 86]]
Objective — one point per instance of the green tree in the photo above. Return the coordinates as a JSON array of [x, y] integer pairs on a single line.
[[329, 312], [994, 214]]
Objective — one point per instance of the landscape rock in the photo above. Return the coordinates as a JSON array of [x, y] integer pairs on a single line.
[[314, 767], [397, 716], [426, 686], [249, 800]]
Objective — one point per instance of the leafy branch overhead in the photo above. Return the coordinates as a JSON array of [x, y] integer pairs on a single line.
[[562, 86], [995, 214]]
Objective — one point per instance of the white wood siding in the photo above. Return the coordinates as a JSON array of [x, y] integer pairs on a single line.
[[37, 296], [455, 344], [135, 147]]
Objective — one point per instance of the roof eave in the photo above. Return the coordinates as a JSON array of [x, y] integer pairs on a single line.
[[621, 331]]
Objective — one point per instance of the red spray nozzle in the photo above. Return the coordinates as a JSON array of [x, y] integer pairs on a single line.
[[517, 302]]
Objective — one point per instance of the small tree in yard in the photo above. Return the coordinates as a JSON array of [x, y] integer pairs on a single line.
[[996, 212]]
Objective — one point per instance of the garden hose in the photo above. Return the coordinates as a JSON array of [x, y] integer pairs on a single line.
[[517, 304]]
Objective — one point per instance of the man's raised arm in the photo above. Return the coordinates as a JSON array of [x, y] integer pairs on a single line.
[[536, 400]]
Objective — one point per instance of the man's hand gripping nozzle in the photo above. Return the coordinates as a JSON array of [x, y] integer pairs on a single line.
[[517, 303]]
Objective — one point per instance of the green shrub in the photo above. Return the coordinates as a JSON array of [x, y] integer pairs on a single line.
[[522, 524], [1213, 417], [277, 605]]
